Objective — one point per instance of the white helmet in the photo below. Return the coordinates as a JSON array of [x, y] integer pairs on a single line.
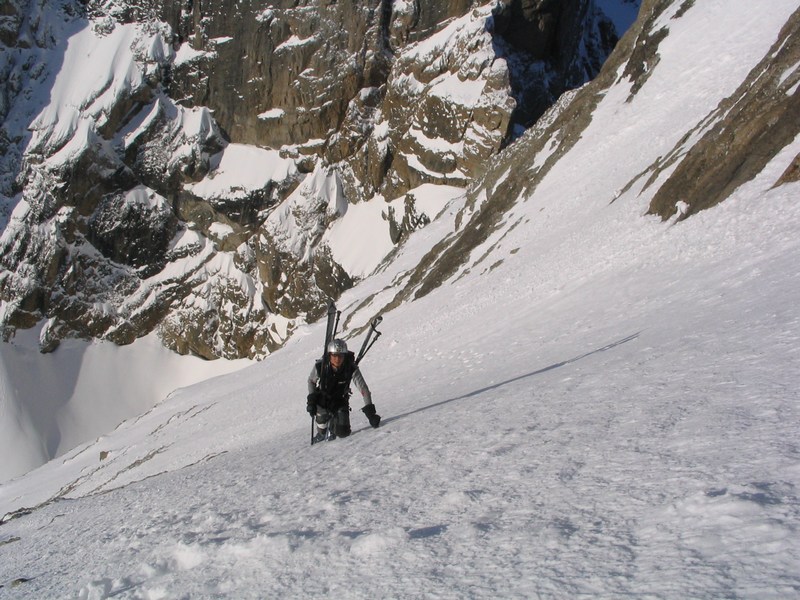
[[337, 347]]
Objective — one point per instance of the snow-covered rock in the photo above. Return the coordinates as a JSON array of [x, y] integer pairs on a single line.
[[222, 120]]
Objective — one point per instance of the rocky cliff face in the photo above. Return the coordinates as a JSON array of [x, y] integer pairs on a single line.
[[127, 127]]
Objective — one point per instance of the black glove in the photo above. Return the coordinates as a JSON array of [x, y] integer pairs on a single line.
[[374, 419], [311, 404]]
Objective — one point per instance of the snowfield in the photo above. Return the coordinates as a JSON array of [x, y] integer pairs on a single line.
[[604, 406]]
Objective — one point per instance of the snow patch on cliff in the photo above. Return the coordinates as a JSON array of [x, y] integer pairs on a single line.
[[241, 169]]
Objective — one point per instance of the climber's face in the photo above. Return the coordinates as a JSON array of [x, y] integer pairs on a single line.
[[337, 360]]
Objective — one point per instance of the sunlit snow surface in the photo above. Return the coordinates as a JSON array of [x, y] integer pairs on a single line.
[[611, 411]]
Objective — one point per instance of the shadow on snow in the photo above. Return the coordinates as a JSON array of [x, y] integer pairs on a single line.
[[495, 386]]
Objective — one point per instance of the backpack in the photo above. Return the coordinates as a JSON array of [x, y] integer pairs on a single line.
[[336, 384]]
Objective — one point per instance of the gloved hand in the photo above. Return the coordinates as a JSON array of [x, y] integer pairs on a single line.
[[374, 418], [311, 404]]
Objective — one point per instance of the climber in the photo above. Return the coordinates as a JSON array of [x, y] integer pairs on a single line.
[[329, 393]]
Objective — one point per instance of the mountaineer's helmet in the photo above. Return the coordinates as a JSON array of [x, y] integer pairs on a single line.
[[337, 347]]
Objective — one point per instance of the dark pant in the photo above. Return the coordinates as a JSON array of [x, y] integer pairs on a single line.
[[339, 420]]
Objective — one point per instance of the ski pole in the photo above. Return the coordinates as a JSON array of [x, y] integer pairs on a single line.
[[366, 345]]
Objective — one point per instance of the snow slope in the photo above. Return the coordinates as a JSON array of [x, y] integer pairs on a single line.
[[53, 402], [607, 407]]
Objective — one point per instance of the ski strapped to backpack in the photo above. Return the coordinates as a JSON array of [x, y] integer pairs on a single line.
[[330, 334]]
